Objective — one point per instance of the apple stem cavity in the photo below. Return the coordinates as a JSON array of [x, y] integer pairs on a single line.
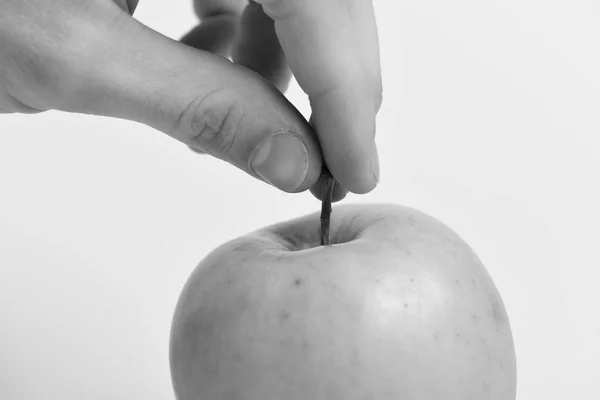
[[328, 183]]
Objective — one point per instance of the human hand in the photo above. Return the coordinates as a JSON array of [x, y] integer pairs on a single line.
[[90, 56]]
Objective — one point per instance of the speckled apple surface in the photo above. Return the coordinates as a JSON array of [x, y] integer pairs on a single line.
[[398, 307]]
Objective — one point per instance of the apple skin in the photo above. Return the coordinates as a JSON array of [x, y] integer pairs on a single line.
[[398, 307]]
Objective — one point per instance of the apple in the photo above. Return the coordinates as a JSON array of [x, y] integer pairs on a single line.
[[398, 307]]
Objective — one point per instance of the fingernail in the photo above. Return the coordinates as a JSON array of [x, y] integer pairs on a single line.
[[375, 163], [281, 160]]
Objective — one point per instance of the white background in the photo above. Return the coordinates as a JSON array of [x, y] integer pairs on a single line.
[[491, 123]]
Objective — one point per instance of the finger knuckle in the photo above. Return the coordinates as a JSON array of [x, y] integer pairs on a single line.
[[214, 122], [209, 8], [378, 95], [278, 9], [373, 88]]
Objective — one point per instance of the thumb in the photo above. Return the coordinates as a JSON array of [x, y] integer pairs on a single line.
[[198, 98]]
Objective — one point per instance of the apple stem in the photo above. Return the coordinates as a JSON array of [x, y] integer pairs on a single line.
[[328, 183]]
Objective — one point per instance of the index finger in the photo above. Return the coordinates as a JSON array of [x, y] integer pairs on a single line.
[[333, 51]]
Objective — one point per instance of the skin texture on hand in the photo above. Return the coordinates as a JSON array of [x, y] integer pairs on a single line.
[[91, 56]]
